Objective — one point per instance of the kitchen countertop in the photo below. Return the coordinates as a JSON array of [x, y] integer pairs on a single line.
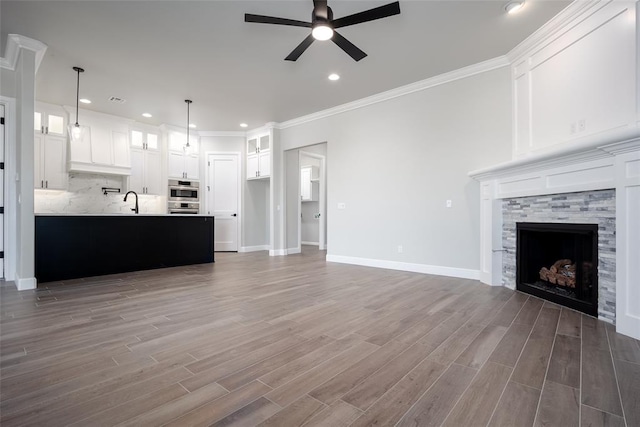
[[119, 214]]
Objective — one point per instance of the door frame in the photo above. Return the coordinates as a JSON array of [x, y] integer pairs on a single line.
[[322, 203], [208, 178], [10, 198]]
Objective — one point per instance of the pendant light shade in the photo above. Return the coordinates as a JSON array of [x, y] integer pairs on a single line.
[[77, 132], [188, 101]]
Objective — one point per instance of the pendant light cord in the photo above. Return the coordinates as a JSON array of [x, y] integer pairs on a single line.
[[78, 70], [188, 101]]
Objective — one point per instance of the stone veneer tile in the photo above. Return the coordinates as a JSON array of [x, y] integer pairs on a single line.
[[589, 207]]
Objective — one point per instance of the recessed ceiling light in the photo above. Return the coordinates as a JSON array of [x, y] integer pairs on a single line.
[[244, 125], [147, 115], [192, 126], [85, 101], [514, 6], [334, 77]]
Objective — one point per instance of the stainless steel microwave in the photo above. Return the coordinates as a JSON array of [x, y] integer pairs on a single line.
[[184, 191]]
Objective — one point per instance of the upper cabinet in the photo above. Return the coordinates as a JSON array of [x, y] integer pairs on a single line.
[[50, 120], [50, 143], [104, 147], [146, 172], [259, 157], [183, 161]]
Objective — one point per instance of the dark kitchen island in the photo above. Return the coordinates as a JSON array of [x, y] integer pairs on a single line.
[[76, 246]]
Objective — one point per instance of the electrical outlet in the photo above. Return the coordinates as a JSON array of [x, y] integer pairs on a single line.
[[449, 203], [582, 125], [342, 206], [400, 249]]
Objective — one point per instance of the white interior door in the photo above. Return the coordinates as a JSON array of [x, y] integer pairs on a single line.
[[2, 191], [223, 190]]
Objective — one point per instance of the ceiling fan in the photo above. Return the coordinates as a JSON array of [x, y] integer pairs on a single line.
[[323, 26]]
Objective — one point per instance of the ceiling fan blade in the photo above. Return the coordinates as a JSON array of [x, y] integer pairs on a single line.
[[299, 50], [320, 9], [351, 49], [368, 15], [261, 19]]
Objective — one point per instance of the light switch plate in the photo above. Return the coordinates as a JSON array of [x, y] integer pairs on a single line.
[[449, 203], [342, 206]]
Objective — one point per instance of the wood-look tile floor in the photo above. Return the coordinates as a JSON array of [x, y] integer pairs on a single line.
[[288, 341]]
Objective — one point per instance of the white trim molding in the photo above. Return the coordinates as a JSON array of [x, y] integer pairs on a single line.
[[15, 42], [311, 243], [437, 270], [245, 249], [277, 252], [27, 283], [10, 192]]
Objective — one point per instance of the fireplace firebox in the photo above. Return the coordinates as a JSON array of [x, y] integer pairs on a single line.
[[559, 262]]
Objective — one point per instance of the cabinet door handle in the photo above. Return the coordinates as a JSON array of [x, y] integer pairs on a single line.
[[46, 184], [42, 184], [47, 130], [41, 129]]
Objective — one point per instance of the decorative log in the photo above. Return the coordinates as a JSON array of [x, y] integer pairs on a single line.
[[561, 273]]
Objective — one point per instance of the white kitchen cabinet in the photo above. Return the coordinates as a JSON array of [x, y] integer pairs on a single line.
[[309, 183], [259, 157], [50, 120], [104, 147], [50, 169], [184, 163], [145, 163]]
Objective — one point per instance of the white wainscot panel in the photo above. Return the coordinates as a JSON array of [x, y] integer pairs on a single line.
[[603, 176], [582, 84], [519, 186], [632, 225], [632, 169]]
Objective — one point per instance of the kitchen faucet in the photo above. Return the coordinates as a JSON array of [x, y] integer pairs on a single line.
[[135, 194]]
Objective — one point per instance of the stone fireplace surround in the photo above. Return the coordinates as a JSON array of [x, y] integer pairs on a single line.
[[588, 207], [584, 183]]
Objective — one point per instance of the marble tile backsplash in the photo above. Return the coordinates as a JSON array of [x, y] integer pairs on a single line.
[[85, 196]]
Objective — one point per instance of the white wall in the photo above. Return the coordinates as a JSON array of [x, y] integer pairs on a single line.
[[396, 162]]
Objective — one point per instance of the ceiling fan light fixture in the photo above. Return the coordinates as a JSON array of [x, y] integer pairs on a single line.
[[322, 32], [244, 125], [514, 6]]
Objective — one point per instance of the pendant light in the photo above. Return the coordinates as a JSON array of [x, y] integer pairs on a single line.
[[188, 101], [76, 132]]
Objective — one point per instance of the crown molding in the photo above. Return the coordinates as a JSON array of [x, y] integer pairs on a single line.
[[222, 133], [563, 21], [458, 74], [15, 42]]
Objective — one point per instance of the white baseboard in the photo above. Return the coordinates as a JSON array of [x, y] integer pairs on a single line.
[[26, 283], [254, 248], [437, 270], [311, 243], [277, 252], [292, 251]]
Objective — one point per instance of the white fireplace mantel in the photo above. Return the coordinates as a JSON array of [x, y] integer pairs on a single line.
[[580, 167]]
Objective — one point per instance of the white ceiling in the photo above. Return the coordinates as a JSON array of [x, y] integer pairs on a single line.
[[156, 54]]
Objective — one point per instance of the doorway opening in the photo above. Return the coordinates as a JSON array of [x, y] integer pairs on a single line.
[[306, 198], [312, 203]]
